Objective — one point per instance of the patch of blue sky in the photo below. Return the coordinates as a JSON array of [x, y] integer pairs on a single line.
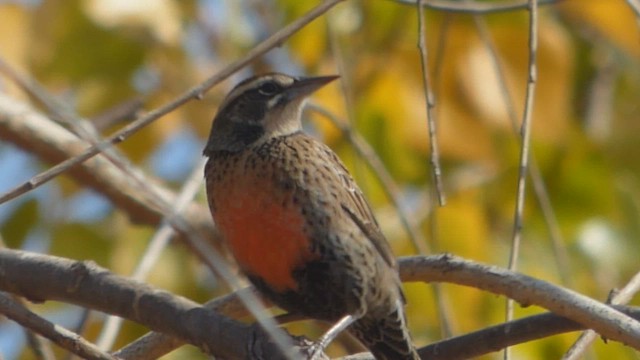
[[16, 167], [176, 157], [87, 206]]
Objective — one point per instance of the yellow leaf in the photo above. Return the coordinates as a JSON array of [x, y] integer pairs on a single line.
[[613, 19]]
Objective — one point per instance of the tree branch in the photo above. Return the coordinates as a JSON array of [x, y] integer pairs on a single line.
[[526, 290], [496, 338], [44, 277], [61, 336]]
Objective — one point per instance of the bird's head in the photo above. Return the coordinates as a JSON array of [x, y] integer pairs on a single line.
[[261, 107]]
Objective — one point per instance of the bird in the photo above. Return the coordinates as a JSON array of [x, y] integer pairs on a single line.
[[296, 222]]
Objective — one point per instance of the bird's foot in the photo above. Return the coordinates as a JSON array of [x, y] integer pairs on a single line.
[[315, 351]]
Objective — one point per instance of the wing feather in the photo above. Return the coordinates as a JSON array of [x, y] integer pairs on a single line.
[[356, 207]]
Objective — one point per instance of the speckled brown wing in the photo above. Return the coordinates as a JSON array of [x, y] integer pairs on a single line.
[[355, 206]]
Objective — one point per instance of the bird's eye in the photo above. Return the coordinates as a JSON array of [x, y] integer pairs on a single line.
[[269, 88]]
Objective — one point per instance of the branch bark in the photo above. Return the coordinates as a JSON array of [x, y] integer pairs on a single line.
[[526, 290], [43, 277]]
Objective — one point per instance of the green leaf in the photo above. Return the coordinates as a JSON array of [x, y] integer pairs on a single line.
[[20, 223]]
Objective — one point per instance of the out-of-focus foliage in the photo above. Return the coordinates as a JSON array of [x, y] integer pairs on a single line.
[[95, 54]]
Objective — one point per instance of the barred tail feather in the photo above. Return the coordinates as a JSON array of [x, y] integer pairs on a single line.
[[386, 337]]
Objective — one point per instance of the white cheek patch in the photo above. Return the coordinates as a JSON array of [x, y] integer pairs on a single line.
[[284, 120]]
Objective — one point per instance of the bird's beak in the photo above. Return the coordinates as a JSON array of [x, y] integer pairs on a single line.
[[304, 86]]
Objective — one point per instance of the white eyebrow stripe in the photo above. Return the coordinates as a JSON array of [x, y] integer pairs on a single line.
[[255, 82]]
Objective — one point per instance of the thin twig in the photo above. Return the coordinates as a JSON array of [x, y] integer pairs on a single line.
[[476, 7], [430, 208], [436, 170], [586, 339], [124, 111], [59, 335], [525, 132], [441, 46], [79, 329], [539, 187]]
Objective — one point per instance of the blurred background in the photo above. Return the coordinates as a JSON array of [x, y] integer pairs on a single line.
[[95, 55]]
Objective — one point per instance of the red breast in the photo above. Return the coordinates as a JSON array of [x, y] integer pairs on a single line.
[[263, 226]]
